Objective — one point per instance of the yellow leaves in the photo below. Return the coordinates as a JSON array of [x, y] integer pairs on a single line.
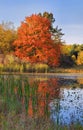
[[66, 49], [73, 58], [80, 81], [80, 58], [7, 36]]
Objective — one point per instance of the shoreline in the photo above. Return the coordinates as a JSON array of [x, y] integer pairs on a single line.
[[45, 74]]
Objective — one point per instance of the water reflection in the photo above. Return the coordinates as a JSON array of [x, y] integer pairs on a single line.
[[64, 96], [59, 99], [70, 107], [46, 91]]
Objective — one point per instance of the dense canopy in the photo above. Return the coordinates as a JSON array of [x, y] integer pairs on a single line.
[[34, 43]]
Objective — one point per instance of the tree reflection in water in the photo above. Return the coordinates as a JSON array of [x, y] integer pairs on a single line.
[[58, 99], [45, 92]]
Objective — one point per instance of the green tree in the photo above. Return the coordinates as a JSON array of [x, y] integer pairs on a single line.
[[56, 32]]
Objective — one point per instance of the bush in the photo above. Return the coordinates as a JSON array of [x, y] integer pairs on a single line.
[[41, 67], [80, 58], [36, 67], [66, 61]]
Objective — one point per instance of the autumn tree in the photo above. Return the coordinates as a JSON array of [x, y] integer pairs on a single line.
[[7, 37], [80, 58], [34, 43]]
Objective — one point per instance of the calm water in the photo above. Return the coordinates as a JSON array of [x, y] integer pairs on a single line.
[[58, 98], [68, 109]]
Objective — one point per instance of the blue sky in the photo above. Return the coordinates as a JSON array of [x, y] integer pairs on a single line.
[[68, 15]]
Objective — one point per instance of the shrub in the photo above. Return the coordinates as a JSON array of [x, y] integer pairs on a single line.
[[80, 58], [41, 67]]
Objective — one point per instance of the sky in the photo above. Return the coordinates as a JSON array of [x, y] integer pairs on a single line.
[[68, 15]]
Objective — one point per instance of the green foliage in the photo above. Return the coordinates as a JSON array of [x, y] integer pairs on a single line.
[[56, 32]]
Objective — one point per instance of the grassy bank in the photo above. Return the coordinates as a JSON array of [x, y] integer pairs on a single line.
[[37, 68], [75, 69]]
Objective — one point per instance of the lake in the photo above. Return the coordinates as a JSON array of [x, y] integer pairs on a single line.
[[56, 100]]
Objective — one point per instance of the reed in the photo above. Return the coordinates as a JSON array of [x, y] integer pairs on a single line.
[[17, 93]]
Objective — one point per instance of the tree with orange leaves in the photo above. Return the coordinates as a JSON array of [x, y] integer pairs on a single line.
[[34, 43]]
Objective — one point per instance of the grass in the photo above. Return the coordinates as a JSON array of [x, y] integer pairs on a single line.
[[37, 68]]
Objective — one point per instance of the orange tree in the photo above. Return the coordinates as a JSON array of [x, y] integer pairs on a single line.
[[34, 43]]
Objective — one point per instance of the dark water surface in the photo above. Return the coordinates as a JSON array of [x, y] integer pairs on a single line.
[[58, 98]]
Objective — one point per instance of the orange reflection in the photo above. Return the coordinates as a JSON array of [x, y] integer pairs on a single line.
[[37, 96], [46, 91], [80, 81]]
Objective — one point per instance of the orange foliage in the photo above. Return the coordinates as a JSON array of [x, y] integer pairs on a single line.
[[34, 43]]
